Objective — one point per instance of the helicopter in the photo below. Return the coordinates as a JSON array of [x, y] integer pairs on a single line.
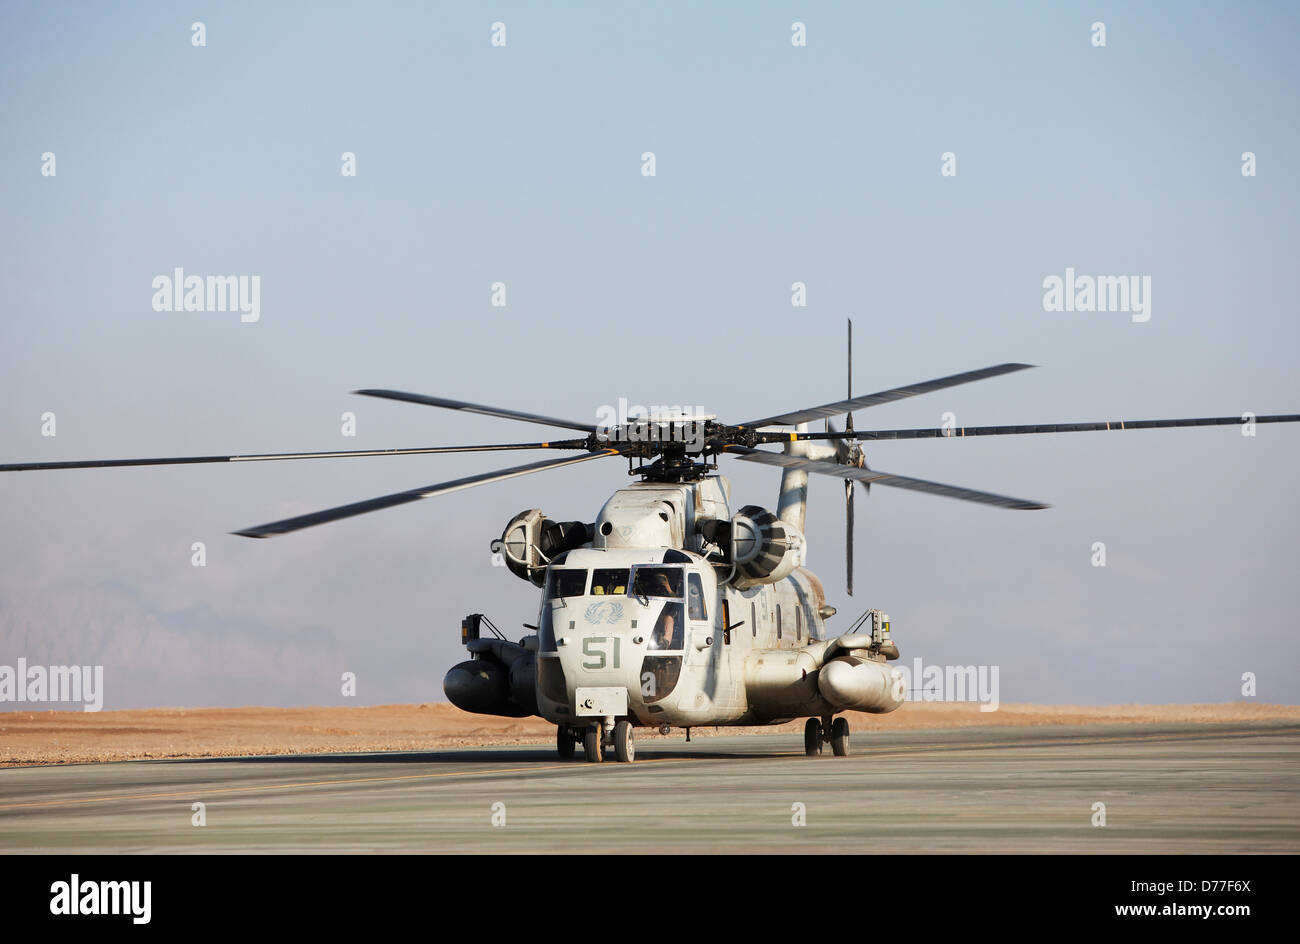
[[670, 610]]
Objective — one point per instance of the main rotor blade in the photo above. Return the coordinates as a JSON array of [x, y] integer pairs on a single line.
[[1111, 425], [400, 498], [876, 477], [477, 408], [884, 396], [195, 460]]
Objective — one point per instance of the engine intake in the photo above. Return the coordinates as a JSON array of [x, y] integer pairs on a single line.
[[764, 548], [531, 539]]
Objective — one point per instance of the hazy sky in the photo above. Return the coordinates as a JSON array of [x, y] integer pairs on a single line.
[[523, 164]]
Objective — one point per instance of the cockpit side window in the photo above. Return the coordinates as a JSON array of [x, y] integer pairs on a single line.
[[566, 582], [695, 597], [607, 581], [669, 631]]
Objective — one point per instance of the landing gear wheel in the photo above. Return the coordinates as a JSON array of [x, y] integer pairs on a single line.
[[812, 738], [593, 742], [565, 742], [840, 737], [624, 749]]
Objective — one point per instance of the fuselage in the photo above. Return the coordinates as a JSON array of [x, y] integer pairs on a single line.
[[671, 611], [686, 647]]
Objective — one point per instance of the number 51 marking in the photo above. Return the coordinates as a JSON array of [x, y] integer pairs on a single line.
[[593, 647]]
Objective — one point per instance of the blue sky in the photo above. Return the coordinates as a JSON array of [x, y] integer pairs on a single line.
[[521, 164]]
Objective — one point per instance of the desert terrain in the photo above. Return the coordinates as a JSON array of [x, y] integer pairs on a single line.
[[75, 737]]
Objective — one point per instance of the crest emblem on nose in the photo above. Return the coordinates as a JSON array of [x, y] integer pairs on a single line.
[[603, 611]]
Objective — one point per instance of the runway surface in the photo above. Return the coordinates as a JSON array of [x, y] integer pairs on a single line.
[[1204, 788]]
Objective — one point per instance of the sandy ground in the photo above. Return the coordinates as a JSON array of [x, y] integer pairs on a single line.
[[72, 737]]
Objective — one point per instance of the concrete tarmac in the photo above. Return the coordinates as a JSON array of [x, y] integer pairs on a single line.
[[1203, 788]]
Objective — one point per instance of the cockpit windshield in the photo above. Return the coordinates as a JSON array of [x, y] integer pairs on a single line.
[[658, 582], [609, 581], [566, 582]]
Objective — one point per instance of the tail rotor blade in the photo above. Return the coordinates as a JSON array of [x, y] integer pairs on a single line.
[[848, 421], [848, 533]]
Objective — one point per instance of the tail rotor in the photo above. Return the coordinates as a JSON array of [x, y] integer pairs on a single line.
[[848, 451]]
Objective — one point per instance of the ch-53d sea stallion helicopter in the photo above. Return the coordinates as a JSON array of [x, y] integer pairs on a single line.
[[669, 610]]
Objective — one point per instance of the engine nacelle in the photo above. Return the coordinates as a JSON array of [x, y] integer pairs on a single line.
[[764, 548], [531, 539]]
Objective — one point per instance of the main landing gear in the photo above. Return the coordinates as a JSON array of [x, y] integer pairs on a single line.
[[565, 742], [826, 731], [597, 739]]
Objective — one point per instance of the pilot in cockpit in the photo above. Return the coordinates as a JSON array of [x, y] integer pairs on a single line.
[[663, 638], [661, 586]]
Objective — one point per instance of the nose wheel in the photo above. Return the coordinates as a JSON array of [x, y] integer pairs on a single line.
[[624, 749], [593, 742], [565, 742], [597, 738]]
